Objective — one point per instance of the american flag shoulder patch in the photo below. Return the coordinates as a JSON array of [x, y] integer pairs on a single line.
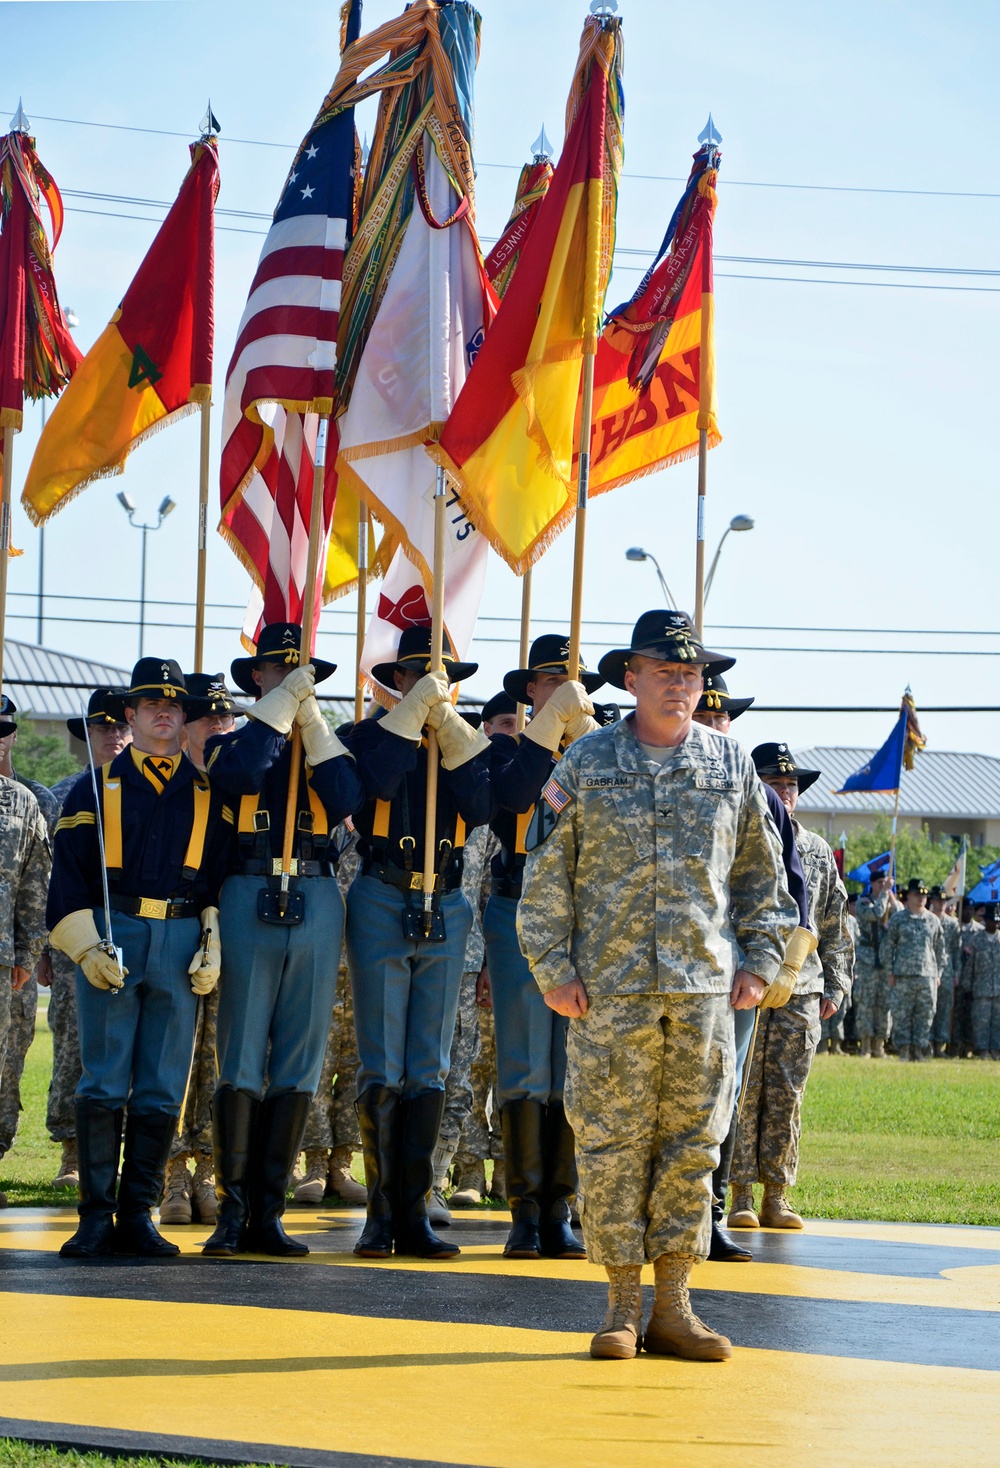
[[555, 796]]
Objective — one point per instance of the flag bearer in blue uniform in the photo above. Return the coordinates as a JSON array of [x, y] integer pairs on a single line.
[[405, 980], [279, 975], [538, 1148], [166, 838]]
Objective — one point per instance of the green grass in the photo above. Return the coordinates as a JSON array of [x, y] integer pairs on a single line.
[[14, 1454]]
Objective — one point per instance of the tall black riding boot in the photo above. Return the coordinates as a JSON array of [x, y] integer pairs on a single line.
[[723, 1246], [280, 1128], [559, 1187], [98, 1143], [379, 1119], [523, 1127], [421, 1121], [234, 1121], [148, 1137]]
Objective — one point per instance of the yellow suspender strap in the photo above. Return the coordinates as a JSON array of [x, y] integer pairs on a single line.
[[380, 827], [112, 790], [199, 826], [248, 809], [321, 823], [459, 833], [523, 822]]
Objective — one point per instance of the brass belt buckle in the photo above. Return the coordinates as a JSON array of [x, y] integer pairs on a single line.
[[152, 907], [293, 866]]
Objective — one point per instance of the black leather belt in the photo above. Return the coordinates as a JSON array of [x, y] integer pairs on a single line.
[[256, 867], [404, 880], [153, 907], [506, 886]]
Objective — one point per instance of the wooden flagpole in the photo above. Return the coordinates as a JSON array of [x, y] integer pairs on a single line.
[[305, 648], [522, 708], [5, 531], [437, 665], [699, 560], [892, 841], [359, 682], [199, 616], [580, 528]]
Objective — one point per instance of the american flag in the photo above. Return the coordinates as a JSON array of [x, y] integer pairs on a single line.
[[281, 377]]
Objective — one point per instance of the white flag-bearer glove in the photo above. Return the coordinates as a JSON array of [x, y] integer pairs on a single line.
[[206, 966], [76, 935], [318, 739], [278, 708], [408, 718], [457, 740], [548, 726], [579, 725], [782, 986]]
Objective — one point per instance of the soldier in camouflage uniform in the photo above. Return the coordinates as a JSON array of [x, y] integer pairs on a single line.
[[916, 959], [767, 1142], [984, 951], [961, 1018], [654, 905], [871, 981], [941, 1029]]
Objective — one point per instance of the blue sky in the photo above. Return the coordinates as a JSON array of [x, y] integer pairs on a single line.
[[859, 421]]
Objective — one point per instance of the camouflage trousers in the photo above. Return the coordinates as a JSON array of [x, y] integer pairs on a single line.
[[986, 1025], [23, 1007], [871, 1002], [481, 1135], [961, 1020], [6, 995], [912, 1001], [332, 1118], [767, 1140], [194, 1132], [465, 1048], [60, 1116], [943, 1010], [649, 1095]]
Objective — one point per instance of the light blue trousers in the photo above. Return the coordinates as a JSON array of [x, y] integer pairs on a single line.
[[530, 1037]]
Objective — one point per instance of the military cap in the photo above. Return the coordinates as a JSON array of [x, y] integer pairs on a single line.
[[717, 699], [414, 656], [990, 912], [7, 707], [105, 706], [500, 703], [208, 695], [777, 762], [549, 654], [915, 884], [279, 642], [936, 895], [669, 637], [156, 678]]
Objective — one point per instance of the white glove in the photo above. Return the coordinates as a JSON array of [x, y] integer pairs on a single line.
[[781, 988], [457, 740], [579, 725], [548, 726], [278, 708], [408, 718], [318, 739], [76, 935], [206, 967]]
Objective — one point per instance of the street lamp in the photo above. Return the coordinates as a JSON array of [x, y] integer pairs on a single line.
[[738, 522], [128, 505], [636, 553]]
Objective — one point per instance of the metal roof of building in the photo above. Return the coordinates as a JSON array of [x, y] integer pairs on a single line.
[[940, 786], [50, 684]]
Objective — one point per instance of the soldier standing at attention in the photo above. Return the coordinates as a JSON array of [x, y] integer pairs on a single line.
[[984, 949], [405, 981], [165, 845], [916, 959], [767, 1140], [871, 985], [662, 870], [941, 1029], [280, 971]]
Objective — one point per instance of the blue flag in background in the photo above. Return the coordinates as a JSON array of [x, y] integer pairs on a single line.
[[882, 772], [876, 866]]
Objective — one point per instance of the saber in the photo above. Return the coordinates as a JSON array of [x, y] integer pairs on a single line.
[[108, 943]]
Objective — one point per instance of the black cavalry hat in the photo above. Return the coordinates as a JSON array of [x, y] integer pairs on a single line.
[[414, 656], [607, 714], [717, 699], [208, 694], [776, 760], [156, 678], [666, 635], [104, 707], [916, 884], [278, 643], [549, 654], [500, 703], [7, 707]]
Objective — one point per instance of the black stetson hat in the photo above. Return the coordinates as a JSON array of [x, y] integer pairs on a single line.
[[156, 678], [549, 654], [668, 636], [208, 694], [916, 884], [105, 706], [776, 760], [7, 707], [500, 703], [414, 656], [717, 699], [278, 643]]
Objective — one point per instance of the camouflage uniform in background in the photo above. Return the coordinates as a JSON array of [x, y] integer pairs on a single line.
[[985, 968], [332, 1119], [914, 953], [655, 884], [194, 1133], [767, 1142], [871, 980], [961, 1019], [941, 1029], [466, 1045], [25, 864], [834, 1028], [60, 1116], [481, 1136]]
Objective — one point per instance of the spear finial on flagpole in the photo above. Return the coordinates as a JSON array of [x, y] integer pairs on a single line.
[[541, 148], [19, 123], [209, 125], [710, 133], [603, 7]]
